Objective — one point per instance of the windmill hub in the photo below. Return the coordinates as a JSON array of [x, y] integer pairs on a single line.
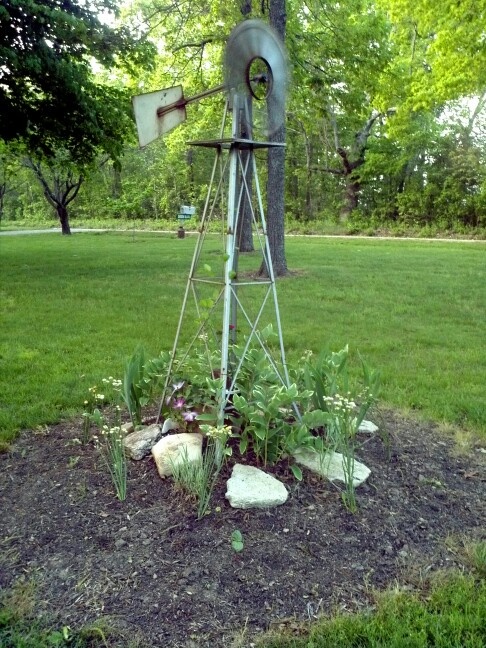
[[259, 78]]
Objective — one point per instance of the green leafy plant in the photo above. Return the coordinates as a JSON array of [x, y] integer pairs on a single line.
[[266, 420], [132, 388], [237, 541], [270, 419], [338, 417], [265, 410]]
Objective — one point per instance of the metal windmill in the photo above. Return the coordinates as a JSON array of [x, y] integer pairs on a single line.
[[230, 300]]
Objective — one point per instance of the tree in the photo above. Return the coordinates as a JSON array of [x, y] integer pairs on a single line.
[[441, 46], [60, 184], [276, 162], [352, 159], [7, 164], [49, 97], [340, 52]]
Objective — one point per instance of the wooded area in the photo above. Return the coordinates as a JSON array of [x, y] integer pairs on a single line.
[[385, 122]]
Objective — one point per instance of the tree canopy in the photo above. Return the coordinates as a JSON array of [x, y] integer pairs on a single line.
[[385, 121], [49, 95]]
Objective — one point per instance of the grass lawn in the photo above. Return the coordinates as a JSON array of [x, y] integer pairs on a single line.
[[74, 308]]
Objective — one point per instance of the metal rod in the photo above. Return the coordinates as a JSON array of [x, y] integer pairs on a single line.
[[180, 103]]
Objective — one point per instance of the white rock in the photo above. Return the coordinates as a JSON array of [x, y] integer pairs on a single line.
[[169, 425], [138, 444], [367, 427], [330, 465], [171, 450], [250, 487]]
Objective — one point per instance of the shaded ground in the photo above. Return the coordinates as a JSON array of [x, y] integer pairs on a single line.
[[162, 576]]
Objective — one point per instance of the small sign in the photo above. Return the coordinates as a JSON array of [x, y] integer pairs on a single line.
[[187, 210]]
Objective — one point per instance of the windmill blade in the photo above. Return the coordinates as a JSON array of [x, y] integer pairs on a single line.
[[255, 64]]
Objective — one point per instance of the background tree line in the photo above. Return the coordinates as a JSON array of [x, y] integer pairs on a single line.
[[385, 122]]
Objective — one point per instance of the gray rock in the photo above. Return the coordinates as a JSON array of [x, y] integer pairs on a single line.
[[330, 465], [138, 444], [250, 487]]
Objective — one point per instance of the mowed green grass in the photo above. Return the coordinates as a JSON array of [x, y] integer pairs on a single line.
[[72, 309]]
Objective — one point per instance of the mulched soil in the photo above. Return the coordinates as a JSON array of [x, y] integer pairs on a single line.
[[169, 580]]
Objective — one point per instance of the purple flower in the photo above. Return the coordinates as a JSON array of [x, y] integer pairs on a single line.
[[189, 417], [179, 403]]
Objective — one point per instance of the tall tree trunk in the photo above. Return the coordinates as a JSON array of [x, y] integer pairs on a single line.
[[116, 191], [351, 160], [62, 212], [353, 187], [3, 191], [276, 163]]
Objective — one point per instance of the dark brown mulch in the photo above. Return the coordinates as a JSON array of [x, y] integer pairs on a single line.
[[170, 580]]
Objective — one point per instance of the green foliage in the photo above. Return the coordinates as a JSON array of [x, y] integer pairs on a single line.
[[48, 95], [109, 442], [264, 428], [21, 628], [441, 47], [327, 378], [379, 114], [133, 390]]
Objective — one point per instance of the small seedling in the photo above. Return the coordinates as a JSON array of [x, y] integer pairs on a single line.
[[237, 541]]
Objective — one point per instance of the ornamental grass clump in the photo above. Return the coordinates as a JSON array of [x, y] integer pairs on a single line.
[[109, 442], [341, 430], [198, 478]]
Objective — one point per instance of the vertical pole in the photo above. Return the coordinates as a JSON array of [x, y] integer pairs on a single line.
[[229, 266]]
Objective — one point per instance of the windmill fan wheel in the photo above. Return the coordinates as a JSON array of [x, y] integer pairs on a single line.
[[255, 65]]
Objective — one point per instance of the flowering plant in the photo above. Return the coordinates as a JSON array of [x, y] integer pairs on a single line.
[[109, 440], [177, 407]]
